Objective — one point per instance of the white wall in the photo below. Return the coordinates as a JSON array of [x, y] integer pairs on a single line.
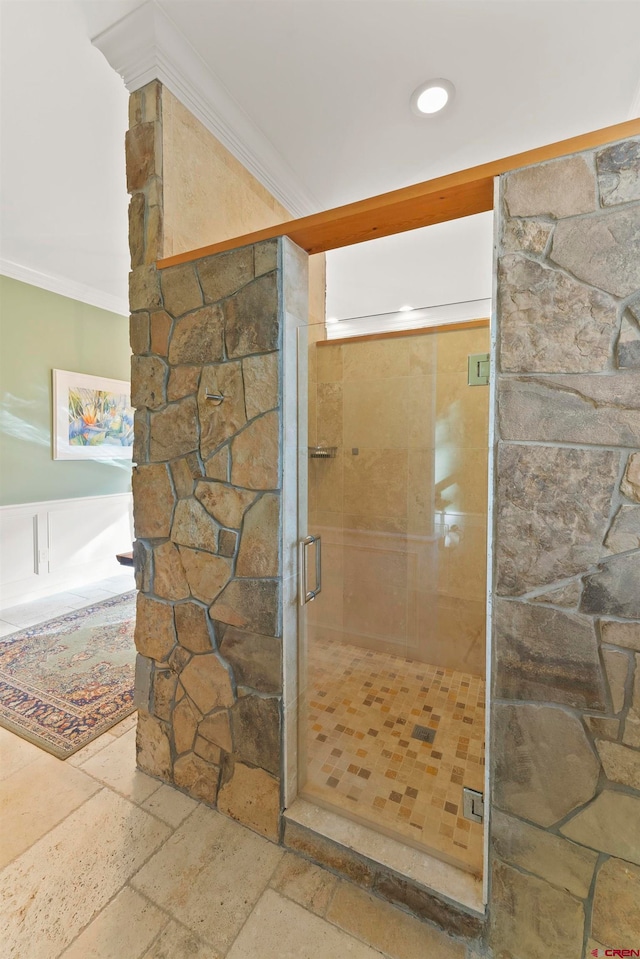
[[49, 547], [445, 263]]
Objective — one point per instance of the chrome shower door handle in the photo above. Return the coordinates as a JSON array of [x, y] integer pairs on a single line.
[[306, 595]]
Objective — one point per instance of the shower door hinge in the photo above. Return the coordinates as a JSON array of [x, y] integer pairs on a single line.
[[472, 805], [479, 368]]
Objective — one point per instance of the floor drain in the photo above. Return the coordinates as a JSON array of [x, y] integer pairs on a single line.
[[423, 733]]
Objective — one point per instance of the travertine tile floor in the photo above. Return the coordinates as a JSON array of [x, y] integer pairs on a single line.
[[363, 707], [100, 861], [24, 615]]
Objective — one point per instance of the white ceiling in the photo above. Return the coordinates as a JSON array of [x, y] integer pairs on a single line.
[[326, 84], [329, 82], [446, 263], [63, 113]]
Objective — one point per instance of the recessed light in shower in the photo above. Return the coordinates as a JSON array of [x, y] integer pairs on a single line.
[[332, 319], [405, 309], [432, 97]]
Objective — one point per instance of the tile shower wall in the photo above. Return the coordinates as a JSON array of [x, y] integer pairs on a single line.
[[566, 716], [402, 506], [209, 196]]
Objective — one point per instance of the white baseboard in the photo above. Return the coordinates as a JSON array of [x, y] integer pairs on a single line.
[[50, 547]]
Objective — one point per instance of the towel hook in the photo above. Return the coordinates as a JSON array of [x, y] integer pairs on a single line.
[[216, 397]]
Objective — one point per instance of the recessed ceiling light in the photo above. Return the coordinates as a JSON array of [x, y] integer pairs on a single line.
[[332, 319], [405, 309], [432, 97]]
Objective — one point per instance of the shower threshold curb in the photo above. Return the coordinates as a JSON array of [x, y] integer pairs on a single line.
[[427, 886]]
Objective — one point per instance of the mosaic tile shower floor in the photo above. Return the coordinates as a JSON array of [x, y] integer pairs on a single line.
[[362, 758]]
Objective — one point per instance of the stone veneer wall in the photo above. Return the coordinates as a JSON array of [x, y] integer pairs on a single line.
[[565, 825], [214, 546], [207, 495], [144, 183]]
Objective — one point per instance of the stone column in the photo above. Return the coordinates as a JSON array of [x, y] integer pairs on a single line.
[[215, 556], [144, 175], [565, 832], [215, 548]]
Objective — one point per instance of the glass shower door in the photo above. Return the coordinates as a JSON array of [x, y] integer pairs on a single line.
[[392, 647]]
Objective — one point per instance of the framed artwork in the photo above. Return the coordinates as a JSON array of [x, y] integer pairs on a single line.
[[92, 417]]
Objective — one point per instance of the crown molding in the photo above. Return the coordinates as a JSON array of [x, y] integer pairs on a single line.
[[65, 287], [147, 45]]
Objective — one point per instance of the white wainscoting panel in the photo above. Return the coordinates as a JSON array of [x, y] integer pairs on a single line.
[[18, 544], [53, 546]]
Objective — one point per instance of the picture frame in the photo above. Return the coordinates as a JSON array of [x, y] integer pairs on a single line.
[[92, 417]]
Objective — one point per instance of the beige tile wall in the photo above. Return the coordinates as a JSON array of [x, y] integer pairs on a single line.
[[392, 577], [209, 196]]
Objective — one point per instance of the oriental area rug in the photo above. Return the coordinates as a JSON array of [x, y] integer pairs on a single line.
[[66, 681]]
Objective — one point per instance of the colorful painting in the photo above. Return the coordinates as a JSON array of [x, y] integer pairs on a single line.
[[93, 417]]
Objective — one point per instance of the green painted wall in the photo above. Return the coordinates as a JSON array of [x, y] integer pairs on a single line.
[[41, 331]]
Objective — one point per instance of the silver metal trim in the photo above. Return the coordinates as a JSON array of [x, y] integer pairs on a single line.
[[472, 804], [478, 369], [307, 595], [318, 588]]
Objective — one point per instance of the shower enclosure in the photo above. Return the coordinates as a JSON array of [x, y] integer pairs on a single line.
[[393, 527]]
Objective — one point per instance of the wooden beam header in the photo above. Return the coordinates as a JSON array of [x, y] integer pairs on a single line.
[[433, 201]]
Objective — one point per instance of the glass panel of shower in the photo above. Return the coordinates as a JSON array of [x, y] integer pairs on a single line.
[[392, 648]]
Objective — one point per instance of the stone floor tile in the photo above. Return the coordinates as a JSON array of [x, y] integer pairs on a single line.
[[60, 884], [304, 882], [170, 805], [37, 611], [209, 875], [57, 604], [27, 623], [15, 753], [122, 930], [37, 797], [74, 600], [124, 725], [115, 766], [120, 583], [95, 746], [30, 614], [280, 929], [387, 928], [176, 942], [94, 594]]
